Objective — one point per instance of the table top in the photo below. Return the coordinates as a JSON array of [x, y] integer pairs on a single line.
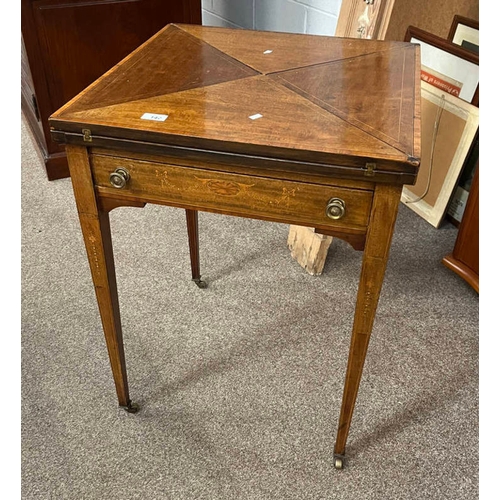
[[338, 102]]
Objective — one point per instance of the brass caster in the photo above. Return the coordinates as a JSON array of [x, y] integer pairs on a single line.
[[339, 462], [200, 283], [131, 407]]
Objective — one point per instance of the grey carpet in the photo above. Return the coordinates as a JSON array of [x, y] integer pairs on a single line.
[[239, 384]]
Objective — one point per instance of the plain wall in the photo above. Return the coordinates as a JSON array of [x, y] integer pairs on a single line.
[[317, 17]]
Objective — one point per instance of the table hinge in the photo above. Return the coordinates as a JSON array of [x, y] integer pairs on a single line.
[[87, 135], [370, 169]]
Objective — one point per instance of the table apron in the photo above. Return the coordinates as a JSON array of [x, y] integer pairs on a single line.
[[278, 200]]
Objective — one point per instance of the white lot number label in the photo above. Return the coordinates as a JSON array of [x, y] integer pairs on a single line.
[[154, 116]]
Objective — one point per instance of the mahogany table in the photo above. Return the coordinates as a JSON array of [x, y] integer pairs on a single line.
[[298, 129]]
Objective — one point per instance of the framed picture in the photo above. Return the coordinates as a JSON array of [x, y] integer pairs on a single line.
[[459, 198], [448, 128], [446, 65], [465, 32]]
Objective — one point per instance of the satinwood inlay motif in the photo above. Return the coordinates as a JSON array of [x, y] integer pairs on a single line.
[[94, 255], [224, 188]]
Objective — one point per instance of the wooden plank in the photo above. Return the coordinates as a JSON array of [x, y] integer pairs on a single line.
[[308, 248]]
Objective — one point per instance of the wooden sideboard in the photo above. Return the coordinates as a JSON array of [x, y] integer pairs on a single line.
[[464, 260], [67, 44]]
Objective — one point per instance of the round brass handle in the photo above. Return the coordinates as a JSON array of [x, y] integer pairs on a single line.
[[335, 208], [119, 178]]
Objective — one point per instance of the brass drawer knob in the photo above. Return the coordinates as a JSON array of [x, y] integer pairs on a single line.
[[335, 208], [119, 177]]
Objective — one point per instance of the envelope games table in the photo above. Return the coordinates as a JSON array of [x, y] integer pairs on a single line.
[[298, 129]]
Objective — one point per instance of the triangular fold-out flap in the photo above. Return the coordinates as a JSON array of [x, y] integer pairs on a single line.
[[269, 52], [171, 62], [374, 92], [254, 111]]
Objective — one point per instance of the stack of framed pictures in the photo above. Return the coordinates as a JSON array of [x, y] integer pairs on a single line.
[[449, 120], [465, 32]]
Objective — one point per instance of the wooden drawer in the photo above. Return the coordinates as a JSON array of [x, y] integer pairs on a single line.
[[214, 191]]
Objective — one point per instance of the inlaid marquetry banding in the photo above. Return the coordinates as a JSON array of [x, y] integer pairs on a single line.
[[93, 254]]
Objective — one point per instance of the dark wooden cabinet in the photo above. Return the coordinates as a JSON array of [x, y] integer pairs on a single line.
[[464, 260], [67, 44]]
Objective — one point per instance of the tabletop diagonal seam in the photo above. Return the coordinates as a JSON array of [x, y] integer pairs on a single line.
[[109, 72], [231, 59], [141, 47], [336, 112], [227, 57], [324, 63], [77, 114], [313, 104], [394, 154], [382, 49]]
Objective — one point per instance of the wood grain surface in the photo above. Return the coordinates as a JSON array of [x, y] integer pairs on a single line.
[[333, 101], [97, 237], [233, 194], [464, 260], [378, 241]]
